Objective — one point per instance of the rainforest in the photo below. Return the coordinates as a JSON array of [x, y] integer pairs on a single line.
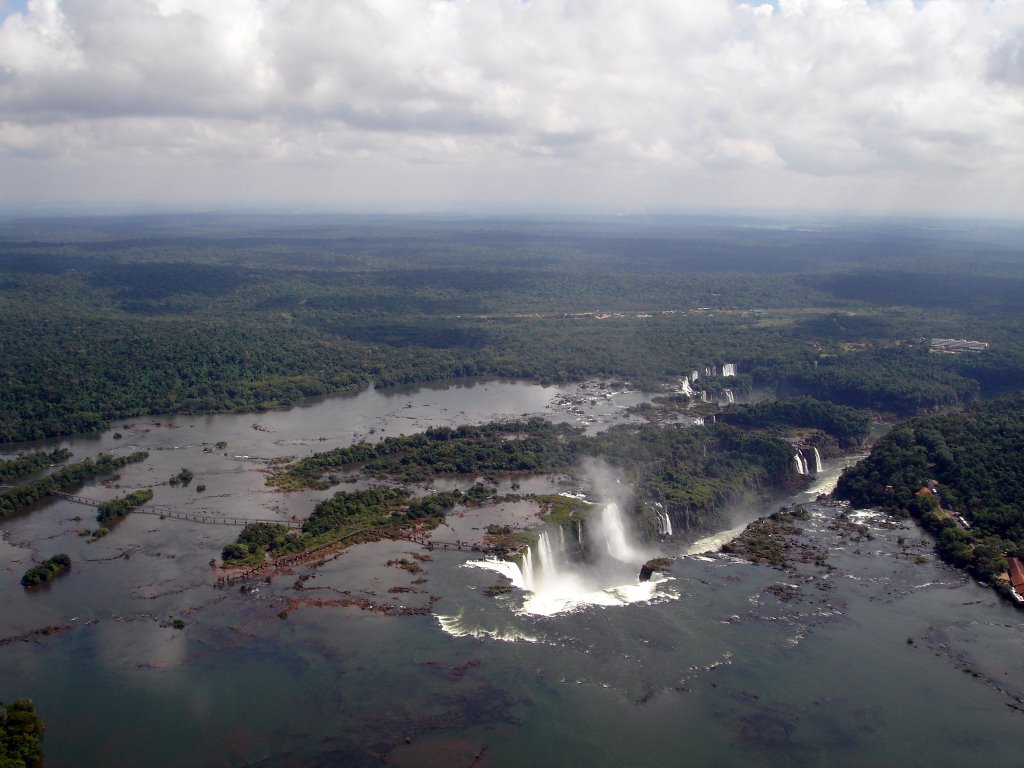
[[424, 490]]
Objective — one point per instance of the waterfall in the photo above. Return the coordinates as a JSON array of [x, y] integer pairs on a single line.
[[801, 463], [729, 396], [698, 421], [707, 371], [685, 386], [817, 462], [729, 369], [529, 582], [556, 581], [545, 557], [705, 396], [693, 376], [611, 527]]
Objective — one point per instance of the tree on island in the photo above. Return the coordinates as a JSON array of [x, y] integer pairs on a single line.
[[21, 731]]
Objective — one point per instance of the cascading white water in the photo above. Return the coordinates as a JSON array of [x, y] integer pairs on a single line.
[[801, 463], [684, 387], [817, 462], [664, 524], [556, 582], [705, 396], [694, 375], [729, 369], [729, 398], [546, 561], [611, 528], [528, 577]]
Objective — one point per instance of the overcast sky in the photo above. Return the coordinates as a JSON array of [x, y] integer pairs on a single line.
[[628, 105]]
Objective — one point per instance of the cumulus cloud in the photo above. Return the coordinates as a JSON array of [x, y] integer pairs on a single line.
[[591, 101]]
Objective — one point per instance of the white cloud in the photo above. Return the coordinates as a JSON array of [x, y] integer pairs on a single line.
[[567, 99]]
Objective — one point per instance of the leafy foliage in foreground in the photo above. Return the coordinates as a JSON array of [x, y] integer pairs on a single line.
[[21, 731], [977, 460]]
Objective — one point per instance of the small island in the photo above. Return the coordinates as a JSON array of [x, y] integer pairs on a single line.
[[46, 571]]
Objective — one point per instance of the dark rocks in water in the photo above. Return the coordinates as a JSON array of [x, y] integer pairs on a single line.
[[657, 565], [776, 540]]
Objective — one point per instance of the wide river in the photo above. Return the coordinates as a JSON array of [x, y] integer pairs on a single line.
[[890, 658]]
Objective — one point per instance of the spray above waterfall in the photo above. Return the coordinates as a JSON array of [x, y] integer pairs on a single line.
[[596, 562]]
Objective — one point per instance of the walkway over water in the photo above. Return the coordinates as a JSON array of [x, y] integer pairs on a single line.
[[205, 516], [196, 516]]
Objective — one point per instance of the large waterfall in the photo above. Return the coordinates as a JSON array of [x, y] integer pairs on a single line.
[[729, 369], [664, 524], [556, 582], [817, 462]]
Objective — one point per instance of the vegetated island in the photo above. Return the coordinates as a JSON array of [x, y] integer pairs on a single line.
[[21, 734], [115, 508], [46, 571], [690, 474], [20, 496], [31, 462], [961, 475]]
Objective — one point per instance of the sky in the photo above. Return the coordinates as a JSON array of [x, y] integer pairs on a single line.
[[863, 106]]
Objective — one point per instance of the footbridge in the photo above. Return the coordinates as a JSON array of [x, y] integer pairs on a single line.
[[195, 516]]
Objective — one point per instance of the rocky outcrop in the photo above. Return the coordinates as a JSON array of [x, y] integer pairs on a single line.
[[657, 565]]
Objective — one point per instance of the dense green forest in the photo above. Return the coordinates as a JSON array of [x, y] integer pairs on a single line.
[[847, 425], [117, 317], [110, 510], [21, 734], [64, 479], [693, 472], [344, 514], [31, 462], [46, 571], [968, 464], [534, 445]]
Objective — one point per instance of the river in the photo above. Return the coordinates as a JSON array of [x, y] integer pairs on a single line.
[[890, 658]]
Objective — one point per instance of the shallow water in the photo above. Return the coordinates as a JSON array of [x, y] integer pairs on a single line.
[[730, 664]]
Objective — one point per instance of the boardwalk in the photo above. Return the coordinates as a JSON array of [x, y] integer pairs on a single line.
[[196, 516], [335, 547], [295, 558]]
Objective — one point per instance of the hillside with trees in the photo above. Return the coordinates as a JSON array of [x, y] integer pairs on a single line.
[[968, 464], [113, 318]]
